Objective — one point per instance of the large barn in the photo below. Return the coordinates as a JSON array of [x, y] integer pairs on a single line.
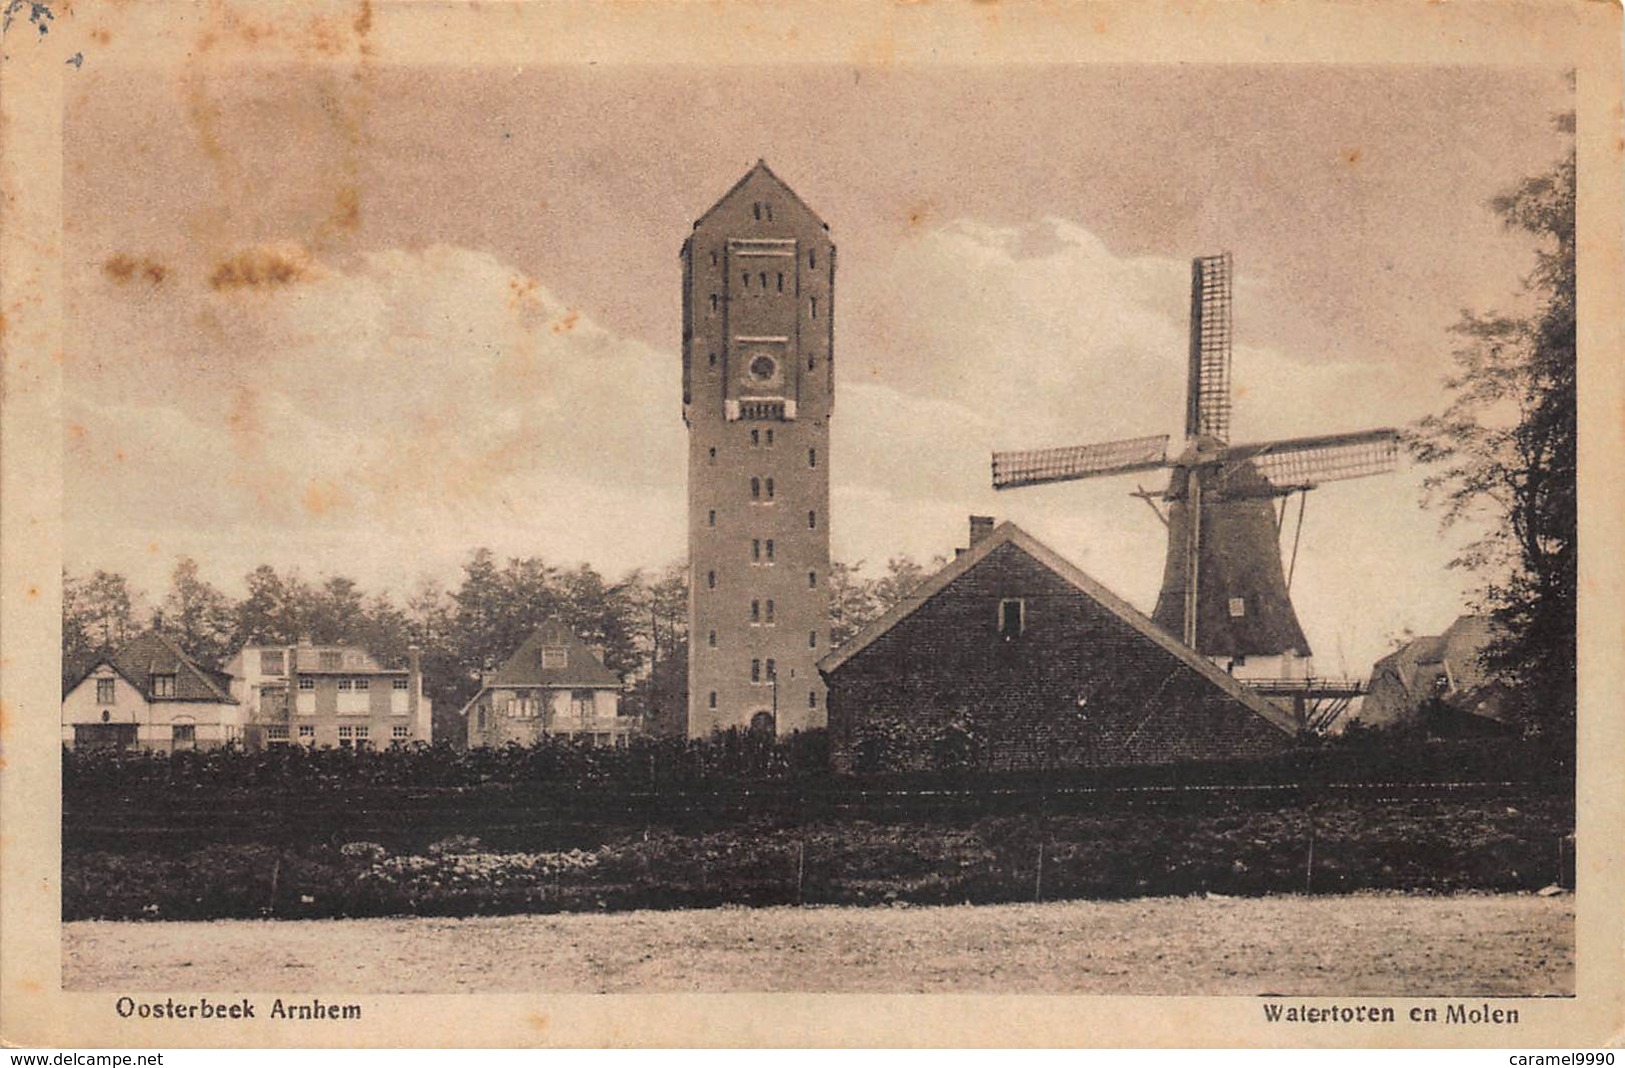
[[1010, 658]]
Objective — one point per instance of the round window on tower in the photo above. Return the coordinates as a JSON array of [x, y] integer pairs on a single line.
[[764, 368]]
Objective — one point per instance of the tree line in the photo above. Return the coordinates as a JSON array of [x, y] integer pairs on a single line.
[[639, 621]]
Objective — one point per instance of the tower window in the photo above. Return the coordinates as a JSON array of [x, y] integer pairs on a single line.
[[811, 360], [812, 580], [812, 457], [781, 281], [770, 437], [745, 277], [755, 488], [711, 639], [713, 257], [755, 437], [710, 359], [812, 698], [1012, 618], [713, 302], [772, 670], [812, 258], [770, 550], [712, 699], [756, 209], [763, 279], [756, 671], [812, 306], [812, 639], [756, 611], [711, 580], [770, 610], [755, 548], [770, 489], [812, 520], [711, 455], [711, 518]]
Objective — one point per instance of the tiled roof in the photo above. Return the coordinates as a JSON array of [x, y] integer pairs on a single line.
[[581, 667], [763, 169], [151, 653]]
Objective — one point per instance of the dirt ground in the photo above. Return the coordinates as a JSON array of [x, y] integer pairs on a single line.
[[1377, 944]]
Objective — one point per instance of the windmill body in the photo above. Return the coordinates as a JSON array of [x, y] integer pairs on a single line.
[[1225, 591]]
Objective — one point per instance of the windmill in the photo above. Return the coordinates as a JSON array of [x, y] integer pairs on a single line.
[[1224, 590]]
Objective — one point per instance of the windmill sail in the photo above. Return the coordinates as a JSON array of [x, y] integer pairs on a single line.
[[1034, 467], [1303, 463], [1207, 396]]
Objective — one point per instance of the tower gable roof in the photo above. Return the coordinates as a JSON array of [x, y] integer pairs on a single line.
[[758, 174], [1010, 534]]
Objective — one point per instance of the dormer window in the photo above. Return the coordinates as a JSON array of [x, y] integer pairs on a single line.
[[163, 685], [1238, 607], [555, 657], [329, 660]]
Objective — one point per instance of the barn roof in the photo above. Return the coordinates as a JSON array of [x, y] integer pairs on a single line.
[[1010, 534]]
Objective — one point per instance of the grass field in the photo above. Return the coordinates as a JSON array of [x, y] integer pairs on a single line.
[[1375, 944]]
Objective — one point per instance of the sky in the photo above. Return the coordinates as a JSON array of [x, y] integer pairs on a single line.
[[362, 325]]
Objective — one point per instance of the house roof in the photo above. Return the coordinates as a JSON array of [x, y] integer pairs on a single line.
[[582, 668], [152, 653], [1010, 534], [764, 170]]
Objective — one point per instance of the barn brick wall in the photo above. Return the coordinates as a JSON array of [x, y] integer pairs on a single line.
[[1079, 688]]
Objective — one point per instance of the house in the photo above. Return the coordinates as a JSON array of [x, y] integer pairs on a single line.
[[553, 685], [150, 695], [342, 697], [1446, 667], [1010, 658]]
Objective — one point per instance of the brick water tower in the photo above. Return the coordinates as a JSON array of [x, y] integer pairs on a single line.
[[758, 390]]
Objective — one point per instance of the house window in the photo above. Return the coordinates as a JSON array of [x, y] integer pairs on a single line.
[[184, 735], [755, 488], [306, 682], [812, 639], [770, 489], [555, 657], [711, 639], [273, 734], [1012, 618], [711, 701], [163, 686], [812, 454], [362, 684], [307, 733], [770, 550], [812, 520], [756, 671], [361, 737], [271, 661], [756, 611], [345, 685], [770, 610], [346, 737], [400, 734], [398, 684], [711, 580], [330, 660], [711, 518], [1238, 607], [105, 689]]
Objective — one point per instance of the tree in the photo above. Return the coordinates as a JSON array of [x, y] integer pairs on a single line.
[[275, 611], [1504, 452], [98, 613], [196, 615]]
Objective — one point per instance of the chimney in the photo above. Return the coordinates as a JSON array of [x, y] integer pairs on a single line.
[[980, 527], [414, 682]]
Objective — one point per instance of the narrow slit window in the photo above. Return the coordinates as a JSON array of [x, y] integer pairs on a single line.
[[812, 306], [713, 257], [762, 278], [781, 281], [770, 489], [755, 437], [769, 618], [711, 455], [812, 457], [755, 488], [756, 209], [711, 700], [756, 548], [772, 669], [756, 671], [811, 362], [711, 580], [770, 550], [745, 277], [812, 520], [714, 302], [812, 257], [710, 359], [756, 611], [711, 518], [770, 437], [812, 580], [812, 639], [812, 698], [711, 639]]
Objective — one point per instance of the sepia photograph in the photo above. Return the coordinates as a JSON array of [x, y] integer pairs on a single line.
[[551, 515]]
